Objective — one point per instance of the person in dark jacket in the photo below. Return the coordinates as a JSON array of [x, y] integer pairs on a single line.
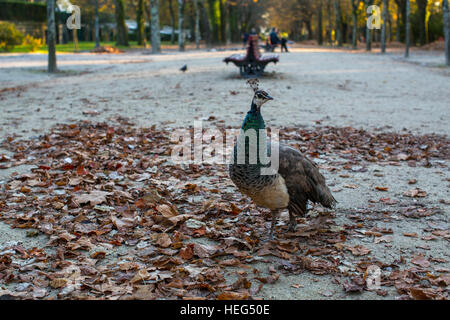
[[274, 40], [245, 38]]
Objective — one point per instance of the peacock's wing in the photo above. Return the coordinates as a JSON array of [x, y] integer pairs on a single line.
[[303, 180]]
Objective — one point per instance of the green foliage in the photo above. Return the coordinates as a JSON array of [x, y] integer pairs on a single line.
[[436, 25], [141, 22], [23, 11], [34, 44], [9, 36], [214, 17]]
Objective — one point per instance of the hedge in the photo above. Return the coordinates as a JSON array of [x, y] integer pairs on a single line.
[[23, 11]]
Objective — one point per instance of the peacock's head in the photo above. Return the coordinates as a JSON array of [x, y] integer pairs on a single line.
[[261, 97]]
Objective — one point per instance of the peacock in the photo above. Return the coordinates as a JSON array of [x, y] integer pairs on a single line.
[[296, 179]]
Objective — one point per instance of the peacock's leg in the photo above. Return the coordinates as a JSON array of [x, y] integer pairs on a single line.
[[292, 222], [274, 221]]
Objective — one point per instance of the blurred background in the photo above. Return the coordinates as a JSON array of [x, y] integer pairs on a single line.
[[211, 23]]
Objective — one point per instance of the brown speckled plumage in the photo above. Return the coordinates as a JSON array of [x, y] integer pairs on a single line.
[[296, 182]]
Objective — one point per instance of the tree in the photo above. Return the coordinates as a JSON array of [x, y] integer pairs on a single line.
[[51, 36], [140, 17], [122, 32], [156, 35], [397, 32], [401, 18], [223, 21], [330, 23], [422, 10], [214, 17], [389, 21], [355, 4], [97, 26], [306, 12], [446, 31], [205, 24], [368, 30], [233, 14], [319, 23], [172, 21], [407, 31], [337, 9], [197, 25], [383, 27], [181, 4]]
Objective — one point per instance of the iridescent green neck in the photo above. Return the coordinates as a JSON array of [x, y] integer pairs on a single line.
[[253, 120]]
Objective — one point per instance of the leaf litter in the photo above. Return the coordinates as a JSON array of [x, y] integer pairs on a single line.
[[124, 223]]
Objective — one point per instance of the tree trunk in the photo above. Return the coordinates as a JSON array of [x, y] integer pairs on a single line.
[[205, 24], [233, 22], [319, 23], [172, 21], [215, 19], [330, 25], [422, 9], [75, 39], [156, 36], [309, 29], [446, 31], [401, 6], [407, 31], [140, 22], [97, 26], [197, 25], [383, 26], [51, 36], [228, 23], [337, 9], [181, 4], [368, 30], [397, 33], [355, 23], [389, 20], [223, 21], [122, 32]]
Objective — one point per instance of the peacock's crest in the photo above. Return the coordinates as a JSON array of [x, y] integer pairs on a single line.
[[254, 84]]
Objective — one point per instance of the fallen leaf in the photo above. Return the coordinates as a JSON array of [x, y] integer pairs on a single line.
[[420, 261]]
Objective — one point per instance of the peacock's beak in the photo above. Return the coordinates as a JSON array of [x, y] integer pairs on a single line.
[[269, 97]]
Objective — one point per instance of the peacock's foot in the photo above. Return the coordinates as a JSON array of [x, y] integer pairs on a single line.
[[272, 225], [292, 223], [292, 227], [272, 237]]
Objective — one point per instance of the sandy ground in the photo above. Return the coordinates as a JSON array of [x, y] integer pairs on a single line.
[[311, 86]]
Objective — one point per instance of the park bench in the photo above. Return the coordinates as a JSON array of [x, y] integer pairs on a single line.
[[252, 64]]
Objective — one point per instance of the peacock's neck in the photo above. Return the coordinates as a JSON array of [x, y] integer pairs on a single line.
[[254, 121]]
